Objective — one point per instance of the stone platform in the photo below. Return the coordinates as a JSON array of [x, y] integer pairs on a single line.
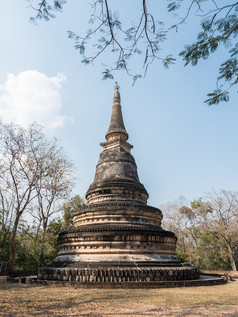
[[117, 237], [203, 280], [118, 274]]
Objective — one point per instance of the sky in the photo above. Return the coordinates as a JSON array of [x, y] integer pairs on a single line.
[[181, 145]]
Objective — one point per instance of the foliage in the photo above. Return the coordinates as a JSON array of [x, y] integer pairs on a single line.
[[55, 226], [33, 170], [19, 173], [219, 28], [29, 246], [107, 33], [69, 208], [33, 249], [6, 216], [4, 248], [206, 231], [45, 9]]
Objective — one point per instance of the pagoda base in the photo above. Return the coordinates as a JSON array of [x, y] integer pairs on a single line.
[[118, 274]]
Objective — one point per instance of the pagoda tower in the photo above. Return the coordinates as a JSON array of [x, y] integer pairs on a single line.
[[117, 236]]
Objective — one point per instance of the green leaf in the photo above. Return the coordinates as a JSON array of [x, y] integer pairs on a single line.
[[85, 61], [217, 96]]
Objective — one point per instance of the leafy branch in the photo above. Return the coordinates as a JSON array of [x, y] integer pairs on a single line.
[[108, 34], [44, 9], [219, 28]]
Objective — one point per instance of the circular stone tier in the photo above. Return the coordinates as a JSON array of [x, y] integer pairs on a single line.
[[114, 245], [118, 274], [118, 213], [116, 190]]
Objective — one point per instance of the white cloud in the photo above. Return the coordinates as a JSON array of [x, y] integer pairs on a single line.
[[32, 96]]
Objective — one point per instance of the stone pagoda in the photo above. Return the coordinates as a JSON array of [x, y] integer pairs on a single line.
[[117, 236]]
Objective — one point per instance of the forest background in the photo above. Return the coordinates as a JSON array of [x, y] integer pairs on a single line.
[[36, 179]]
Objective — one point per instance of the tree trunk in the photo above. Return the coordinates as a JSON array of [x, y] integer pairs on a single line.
[[231, 255], [13, 245], [42, 248], [44, 227]]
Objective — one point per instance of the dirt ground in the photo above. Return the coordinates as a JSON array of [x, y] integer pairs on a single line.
[[37, 300]]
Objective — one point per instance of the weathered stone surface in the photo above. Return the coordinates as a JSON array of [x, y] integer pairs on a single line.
[[117, 237], [117, 123], [119, 274]]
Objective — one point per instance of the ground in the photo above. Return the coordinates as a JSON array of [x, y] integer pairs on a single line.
[[37, 300]]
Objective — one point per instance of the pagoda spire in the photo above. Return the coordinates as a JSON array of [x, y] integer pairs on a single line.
[[117, 127]]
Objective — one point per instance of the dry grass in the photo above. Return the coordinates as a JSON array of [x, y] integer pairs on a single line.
[[36, 300]]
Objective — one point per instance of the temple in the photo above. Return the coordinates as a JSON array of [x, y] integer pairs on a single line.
[[117, 236]]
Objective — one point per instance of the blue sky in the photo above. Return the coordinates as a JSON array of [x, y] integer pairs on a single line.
[[181, 146]]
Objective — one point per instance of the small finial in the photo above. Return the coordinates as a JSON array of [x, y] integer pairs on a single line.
[[116, 85], [116, 97]]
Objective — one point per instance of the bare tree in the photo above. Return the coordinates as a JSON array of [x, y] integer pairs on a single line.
[[54, 187], [26, 162], [176, 222], [224, 221], [207, 228], [185, 224]]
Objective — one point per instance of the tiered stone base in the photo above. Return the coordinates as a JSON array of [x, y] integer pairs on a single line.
[[118, 275]]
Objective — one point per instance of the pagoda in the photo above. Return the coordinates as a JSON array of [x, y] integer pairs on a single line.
[[117, 237]]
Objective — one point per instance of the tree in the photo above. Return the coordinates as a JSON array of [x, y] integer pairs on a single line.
[[69, 208], [206, 230], [6, 215], [177, 223], [26, 169], [181, 220], [223, 220], [29, 246], [219, 27], [54, 187], [6, 222], [18, 174]]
